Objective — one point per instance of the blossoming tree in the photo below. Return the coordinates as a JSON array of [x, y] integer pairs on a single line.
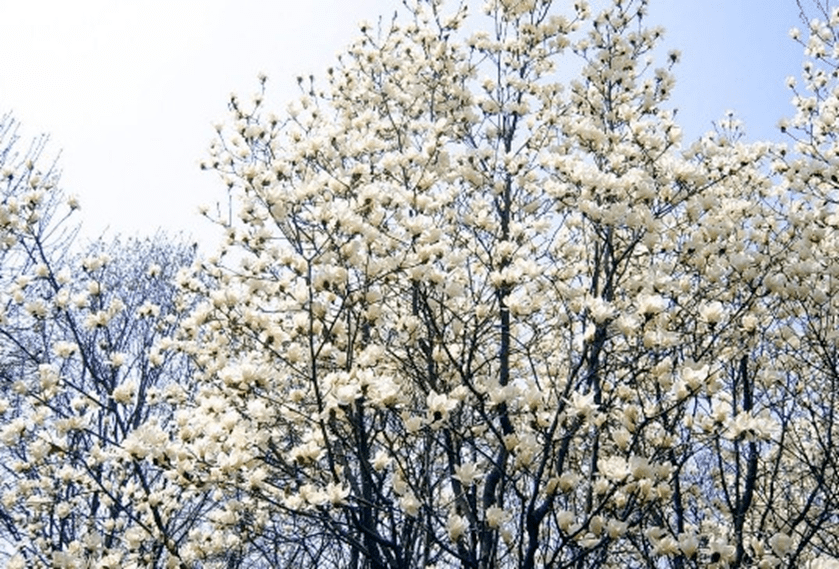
[[84, 396], [472, 314], [84, 476], [479, 305]]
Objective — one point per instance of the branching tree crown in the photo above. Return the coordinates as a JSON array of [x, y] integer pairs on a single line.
[[470, 314]]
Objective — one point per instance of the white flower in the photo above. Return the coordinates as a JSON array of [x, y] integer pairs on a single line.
[[466, 473], [640, 468], [456, 526], [37, 308], [439, 405], [259, 411], [600, 310], [583, 405], [409, 504], [694, 375], [337, 493], [616, 528], [712, 312], [124, 393], [824, 563], [148, 309], [98, 319], [689, 544], [564, 519], [780, 543], [65, 349], [381, 461], [650, 303], [722, 549], [614, 468], [495, 516], [347, 394], [749, 323]]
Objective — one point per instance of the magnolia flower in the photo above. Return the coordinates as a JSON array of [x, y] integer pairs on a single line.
[[565, 519], [456, 526], [721, 551], [640, 468], [694, 375], [259, 411], [613, 467], [712, 312], [117, 359], [749, 323], [649, 304], [37, 309], [337, 493], [381, 461], [439, 405], [824, 562], [98, 319], [780, 543], [689, 544], [65, 349], [409, 504], [600, 310], [495, 516], [124, 393], [347, 394], [616, 528], [583, 404], [466, 473], [148, 309]]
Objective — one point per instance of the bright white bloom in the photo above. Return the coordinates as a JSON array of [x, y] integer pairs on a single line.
[[337, 493], [780, 543], [824, 563], [467, 473], [409, 504], [689, 544], [65, 349], [712, 312], [648, 304], [614, 468], [496, 517], [456, 526], [439, 406], [722, 549], [600, 310], [583, 404], [124, 392], [381, 461], [117, 359]]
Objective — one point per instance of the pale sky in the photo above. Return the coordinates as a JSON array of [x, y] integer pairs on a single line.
[[128, 90]]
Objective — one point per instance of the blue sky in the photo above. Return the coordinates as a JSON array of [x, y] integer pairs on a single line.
[[129, 90]]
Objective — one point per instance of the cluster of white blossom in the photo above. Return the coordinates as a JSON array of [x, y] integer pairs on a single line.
[[470, 315], [466, 314], [85, 406]]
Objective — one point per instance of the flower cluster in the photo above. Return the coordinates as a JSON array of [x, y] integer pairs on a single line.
[[465, 313]]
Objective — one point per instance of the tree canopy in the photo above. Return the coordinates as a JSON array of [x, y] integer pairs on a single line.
[[469, 312]]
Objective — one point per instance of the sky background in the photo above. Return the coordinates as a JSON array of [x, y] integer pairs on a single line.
[[128, 90]]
